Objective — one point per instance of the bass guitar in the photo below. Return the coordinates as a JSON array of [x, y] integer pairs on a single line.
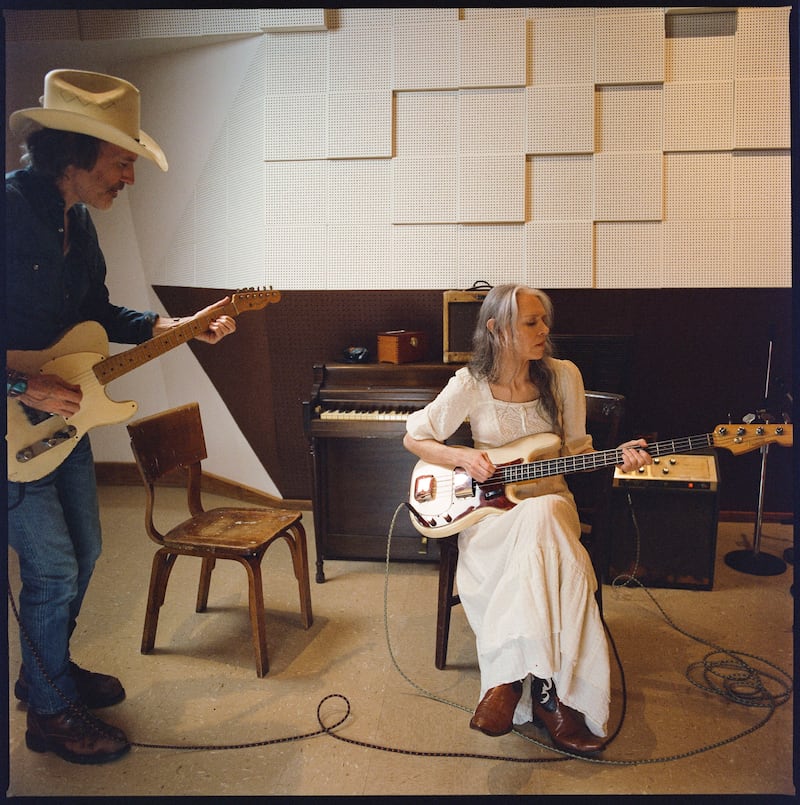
[[443, 501], [38, 442]]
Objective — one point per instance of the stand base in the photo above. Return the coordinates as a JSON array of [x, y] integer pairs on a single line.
[[756, 564]]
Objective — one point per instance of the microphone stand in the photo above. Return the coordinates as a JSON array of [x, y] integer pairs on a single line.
[[754, 562]]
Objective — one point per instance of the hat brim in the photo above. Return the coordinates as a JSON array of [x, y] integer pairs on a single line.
[[70, 121]]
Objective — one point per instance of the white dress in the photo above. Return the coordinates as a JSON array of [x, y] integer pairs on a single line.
[[526, 583]]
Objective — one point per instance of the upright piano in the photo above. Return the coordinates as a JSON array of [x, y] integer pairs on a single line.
[[355, 420]]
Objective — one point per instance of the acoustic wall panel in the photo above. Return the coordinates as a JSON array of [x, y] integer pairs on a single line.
[[168, 22], [560, 254], [210, 203], [491, 188], [700, 47], [296, 65], [560, 187], [41, 26], [628, 186], [424, 16], [245, 231], [296, 257], [296, 127], [629, 47], [178, 265], [426, 123], [495, 253], [698, 116], [359, 256], [697, 186], [696, 254], [115, 23], [762, 47], [360, 50], [359, 191], [761, 185], [560, 119], [424, 256], [629, 118], [492, 52], [628, 255], [561, 46], [359, 125], [296, 193], [761, 253], [425, 190], [760, 113], [426, 56], [293, 19], [491, 121]]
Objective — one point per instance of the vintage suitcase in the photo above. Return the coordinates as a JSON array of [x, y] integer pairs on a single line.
[[402, 346]]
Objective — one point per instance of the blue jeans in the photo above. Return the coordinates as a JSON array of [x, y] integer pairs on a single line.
[[54, 526]]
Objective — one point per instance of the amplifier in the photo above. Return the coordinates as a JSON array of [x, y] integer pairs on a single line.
[[675, 504], [459, 316]]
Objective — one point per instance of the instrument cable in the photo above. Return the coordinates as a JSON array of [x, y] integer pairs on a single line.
[[740, 682]]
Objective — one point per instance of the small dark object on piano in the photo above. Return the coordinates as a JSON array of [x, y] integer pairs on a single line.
[[356, 354]]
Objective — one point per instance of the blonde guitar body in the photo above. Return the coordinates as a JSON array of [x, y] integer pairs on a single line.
[[445, 501], [37, 442]]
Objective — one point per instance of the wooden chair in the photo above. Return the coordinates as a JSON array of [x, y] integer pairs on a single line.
[[174, 440], [592, 492]]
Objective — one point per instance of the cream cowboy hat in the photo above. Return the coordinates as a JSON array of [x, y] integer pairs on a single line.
[[102, 106]]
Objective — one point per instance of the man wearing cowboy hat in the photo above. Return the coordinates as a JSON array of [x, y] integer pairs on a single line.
[[81, 147]]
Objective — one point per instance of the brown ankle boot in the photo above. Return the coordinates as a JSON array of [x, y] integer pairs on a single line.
[[566, 726], [495, 712], [76, 736]]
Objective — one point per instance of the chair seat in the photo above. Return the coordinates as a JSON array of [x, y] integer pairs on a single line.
[[231, 530]]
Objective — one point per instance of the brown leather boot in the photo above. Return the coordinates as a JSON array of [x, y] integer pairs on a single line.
[[76, 736], [494, 714], [94, 690], [566, 726]]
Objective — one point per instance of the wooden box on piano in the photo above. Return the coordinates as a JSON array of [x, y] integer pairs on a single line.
[[402, 346], [355, 421]]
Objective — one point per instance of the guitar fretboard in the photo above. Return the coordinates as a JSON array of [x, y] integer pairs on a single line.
[[563, 465]]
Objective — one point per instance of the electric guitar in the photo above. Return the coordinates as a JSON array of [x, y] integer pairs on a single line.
[[37, 441], [443, 501]]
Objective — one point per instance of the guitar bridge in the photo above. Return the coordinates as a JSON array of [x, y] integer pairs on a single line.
[[43, 445]]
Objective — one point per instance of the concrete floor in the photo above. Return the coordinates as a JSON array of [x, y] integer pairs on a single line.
[[199, 688]]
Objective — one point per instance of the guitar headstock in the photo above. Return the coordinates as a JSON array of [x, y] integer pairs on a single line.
[[253, 299], [744, 438]]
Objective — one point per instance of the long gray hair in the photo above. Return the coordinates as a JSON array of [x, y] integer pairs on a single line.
[[501, 305]]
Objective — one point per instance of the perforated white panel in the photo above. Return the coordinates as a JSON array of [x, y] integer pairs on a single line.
[[296, 257], [698, 116], [560, 187], [424, 256], [628, 255], [761, 253], [426, 56], [700, 47], [762, 43], [109, 24], [425, 190], [358, 257], [696, 254], [426, 123], [697, 186], [424, 16], [359, 191], [296, 192], [629, 118], [166, 22], [492, 253], [762, 185], [628, 187], [296, 64], [211, 198], [359, 124], [760, 113], [492, 53], [491, 188], [296, 127], [629, 47], [559, 254], [561, 46], [560, 119], [292, 19], [42, 26], [178, 266], [492, 121], [360, 54], [244, 230]]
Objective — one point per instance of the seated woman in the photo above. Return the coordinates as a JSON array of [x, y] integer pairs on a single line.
[[524, 578]]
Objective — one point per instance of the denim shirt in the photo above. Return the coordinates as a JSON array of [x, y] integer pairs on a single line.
[[47, 292]]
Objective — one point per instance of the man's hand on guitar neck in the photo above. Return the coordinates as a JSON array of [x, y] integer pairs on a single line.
[[51, 394], [218, 327]]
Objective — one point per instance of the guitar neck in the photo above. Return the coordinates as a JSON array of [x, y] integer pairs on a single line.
[[564, 465], [117, 365]]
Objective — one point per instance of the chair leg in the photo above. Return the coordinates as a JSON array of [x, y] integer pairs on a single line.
[[258, 621], [208, 565], [448, 558], [296, 537], [163, 562]]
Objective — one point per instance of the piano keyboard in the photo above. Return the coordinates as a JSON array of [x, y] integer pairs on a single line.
[[375, 415]]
